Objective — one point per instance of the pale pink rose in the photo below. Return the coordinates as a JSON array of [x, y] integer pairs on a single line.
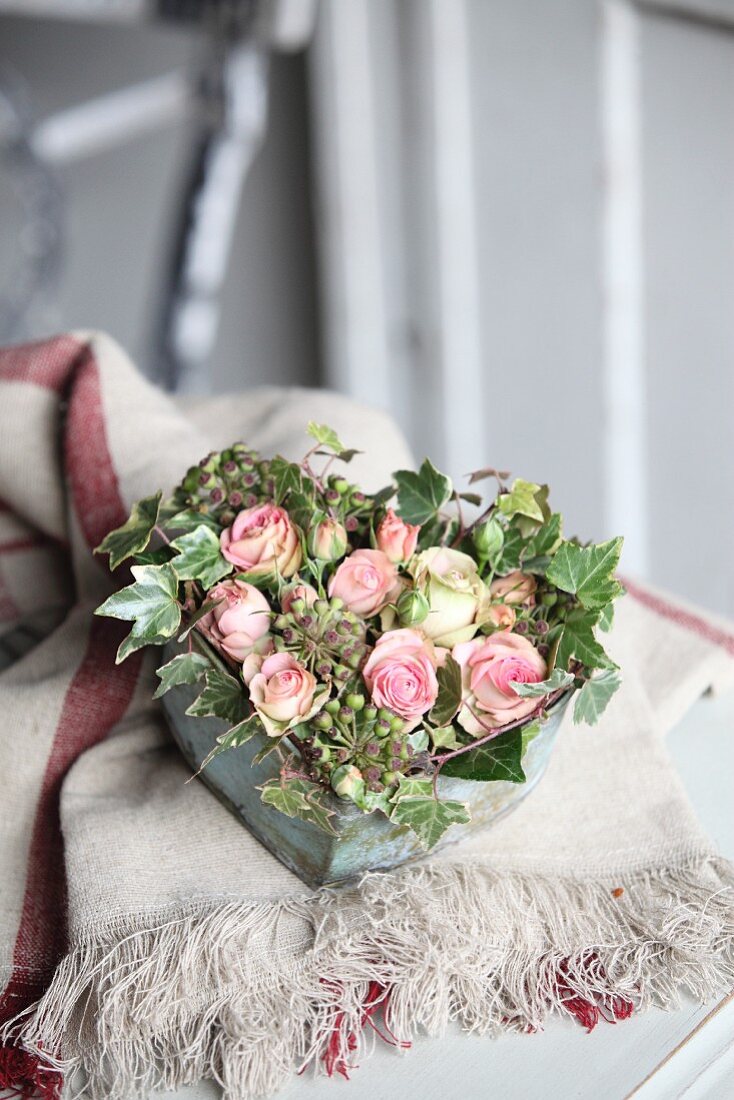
[[328, 540], [516, 587], [488, 667], [365, 581], [239, 621], [396, 538], [455, 592], [263, 540], [501, 615], [283, 693], [305, 592], [400, 674]]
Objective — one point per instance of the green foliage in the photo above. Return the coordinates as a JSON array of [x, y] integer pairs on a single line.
[[546, 539], [131, 644], [449, 692], [421, 495], [186, 668], [198, 615], [429, 817], [135, 533], [522, 500], [234, 737], [287, 478], [444, 737], [223, 697], [529, 732], [587, 571], [575, 639], [592, 700], [199, 557], [188, 519], [151, 604], [301, 798], [498, 759], [557, 679], [325, 437]]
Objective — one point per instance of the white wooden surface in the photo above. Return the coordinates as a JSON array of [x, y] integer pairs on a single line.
[[656, 1056]]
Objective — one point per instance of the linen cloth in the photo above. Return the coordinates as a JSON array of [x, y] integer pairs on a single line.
[[147, 939]]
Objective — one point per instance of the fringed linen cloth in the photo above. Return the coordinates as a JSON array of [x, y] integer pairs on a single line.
[[157, 942]]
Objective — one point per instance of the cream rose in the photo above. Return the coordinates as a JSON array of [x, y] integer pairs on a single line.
[[396, 538], [365, 581], [517, 587], [455, 592], [284, 693], [400, 674], [263, 541], [239, 621], [488, 667]]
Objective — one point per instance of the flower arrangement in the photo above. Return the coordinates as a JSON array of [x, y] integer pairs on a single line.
[[379, 642]]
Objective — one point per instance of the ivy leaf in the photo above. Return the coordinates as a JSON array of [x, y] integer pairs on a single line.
[[343, 456], [223, 697], [444, 737], [233, 738], [189, 519], [413, 787], [301, 506], [498, 759], [299, 798], [418, 740], [151, 603], [198, 615], [546, 539], [429, 818], [576, 639], [521, 501], [134, 535], [421, 494], [131, 644], [287, 478], [325, 437], [470, 498], [492, 539], [587, 571], [529, 733], [592, 700], [488, 471], [606, 619], [448, 700], [186, 668], [512, 550], [557, 679], [199, 557]]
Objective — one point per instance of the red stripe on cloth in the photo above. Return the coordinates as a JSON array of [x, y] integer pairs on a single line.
[[686, 619], [94, 486], [14, 545], [97, 698], [45, 364], [8, 609]]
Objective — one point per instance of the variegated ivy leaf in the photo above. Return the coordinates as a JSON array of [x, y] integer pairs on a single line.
[[234, 737], [429, 818], [186, 668], [575, 638], [325, 436], [151, 603], [448, 700], [522, 500], [131, 645], [444, 737], [593, 699], [587, 571], [498, 759], [300, 798], [223, 697], [413, 787], [423, 493], [135, 533], [199, 557], [557, 679], [189, 519]]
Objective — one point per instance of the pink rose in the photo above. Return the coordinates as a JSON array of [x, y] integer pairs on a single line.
[[263, 541], [396, 538], [240, 621], [488, 667], [516, 587], [284, 693], [401, 674], [305, 592], [501, 615], [365, 581]]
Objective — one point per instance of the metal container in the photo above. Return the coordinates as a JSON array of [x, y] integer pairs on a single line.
[[363, 842]]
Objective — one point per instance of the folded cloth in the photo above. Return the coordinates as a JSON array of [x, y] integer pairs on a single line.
[[158, 942]]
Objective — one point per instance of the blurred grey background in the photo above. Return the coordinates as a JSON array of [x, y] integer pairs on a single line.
[[510, 222]]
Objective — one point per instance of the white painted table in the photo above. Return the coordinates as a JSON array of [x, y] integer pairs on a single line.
[[654, 1056]]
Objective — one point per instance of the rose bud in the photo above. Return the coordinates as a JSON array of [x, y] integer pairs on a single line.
[[412, 608], [284, 693], [299, 591], [263, 541], [516, 587], [488, 538], [365, 581], [396, 538], [327, 540], [240, 620]]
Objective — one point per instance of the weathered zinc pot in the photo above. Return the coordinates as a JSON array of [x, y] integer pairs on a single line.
[[363, 842]]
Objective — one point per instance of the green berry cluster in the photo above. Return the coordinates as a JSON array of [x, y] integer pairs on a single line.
[[353, 507], [224, 482], [326, 638], [350, 732]]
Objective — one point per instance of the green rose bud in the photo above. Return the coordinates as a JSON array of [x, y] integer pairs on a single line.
[[412, 608], [347, 782], [489, 539]]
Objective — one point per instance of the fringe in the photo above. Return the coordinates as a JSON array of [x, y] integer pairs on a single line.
[[196, 996]]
